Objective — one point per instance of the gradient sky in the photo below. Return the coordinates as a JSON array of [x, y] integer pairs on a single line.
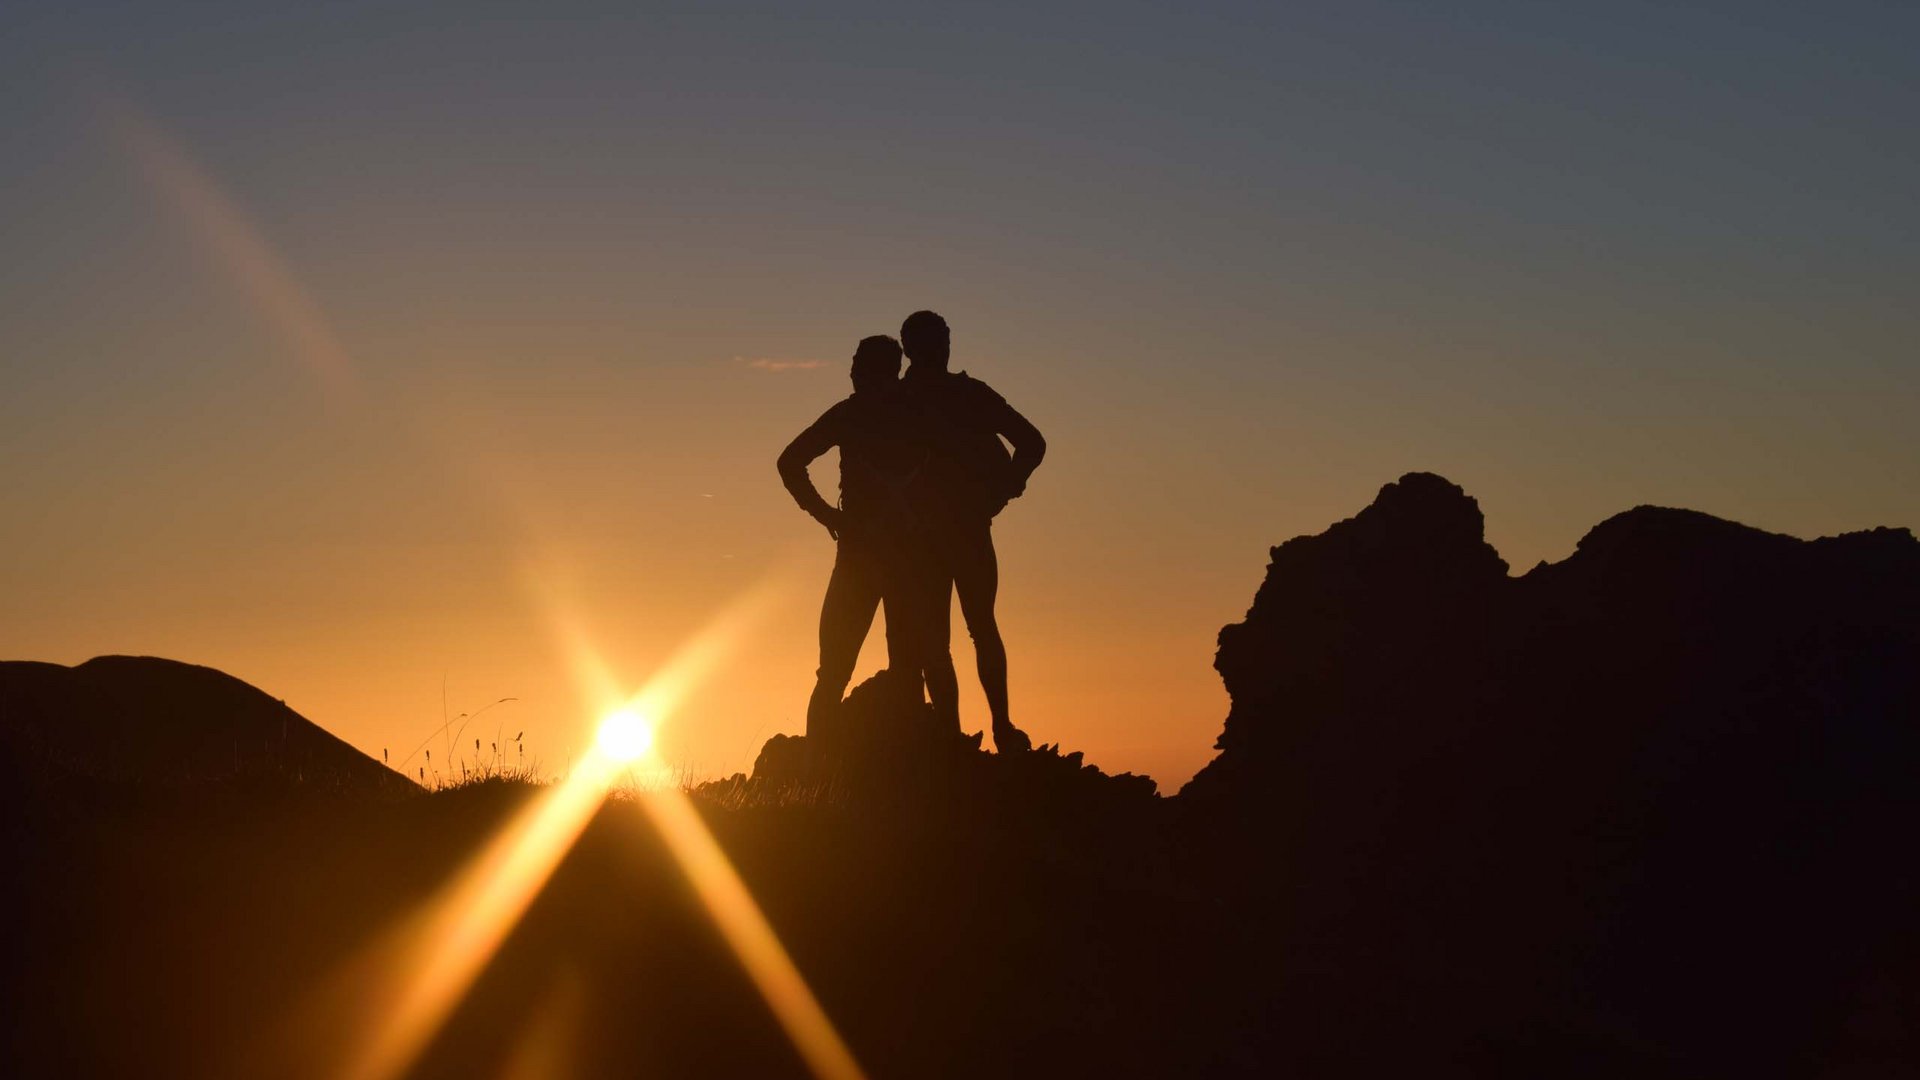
[[362, 349]]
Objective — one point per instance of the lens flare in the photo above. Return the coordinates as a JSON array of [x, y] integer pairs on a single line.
[[237, 243], [436, 959], [408, 989], [752, 938], [624, 736]]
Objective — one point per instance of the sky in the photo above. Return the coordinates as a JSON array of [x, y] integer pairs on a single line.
[[387, 355]]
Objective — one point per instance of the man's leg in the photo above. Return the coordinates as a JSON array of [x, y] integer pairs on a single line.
[[853, 594], [976, 577]]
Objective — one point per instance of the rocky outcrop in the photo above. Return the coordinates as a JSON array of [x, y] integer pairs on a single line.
[[891, 756], [1396, 640], [1670, 776], [1351, 623]]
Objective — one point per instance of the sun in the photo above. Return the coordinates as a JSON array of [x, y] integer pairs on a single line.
[[624, 736]]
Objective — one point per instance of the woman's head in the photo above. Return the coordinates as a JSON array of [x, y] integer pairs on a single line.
[[876, 363]]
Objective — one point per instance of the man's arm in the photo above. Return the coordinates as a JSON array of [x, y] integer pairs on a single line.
[[820, 436], [1029, 446]]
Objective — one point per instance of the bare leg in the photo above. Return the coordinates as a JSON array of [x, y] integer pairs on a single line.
[[846, 614], [976, 577]]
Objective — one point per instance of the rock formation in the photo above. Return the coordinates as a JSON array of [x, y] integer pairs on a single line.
[[893, 757], [1668, 778]]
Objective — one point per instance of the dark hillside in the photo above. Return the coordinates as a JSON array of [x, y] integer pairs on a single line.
[[161, 722]]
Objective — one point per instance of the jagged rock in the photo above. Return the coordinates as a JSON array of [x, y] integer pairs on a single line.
[[1394, 584], [1666, 776]]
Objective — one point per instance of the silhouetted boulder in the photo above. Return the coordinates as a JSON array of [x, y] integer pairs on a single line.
[[1665, 778], [890, 752], [157, 722], [1391, 587]]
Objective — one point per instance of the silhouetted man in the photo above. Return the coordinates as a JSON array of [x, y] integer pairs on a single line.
[[871, 524], [964, 479]]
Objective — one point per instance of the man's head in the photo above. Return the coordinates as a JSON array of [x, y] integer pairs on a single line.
[[926, 340], [876, 363]]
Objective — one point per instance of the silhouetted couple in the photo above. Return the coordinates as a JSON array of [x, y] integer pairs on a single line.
[[922, 474]]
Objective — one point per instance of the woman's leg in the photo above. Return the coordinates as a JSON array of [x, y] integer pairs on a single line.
[[846, 614]]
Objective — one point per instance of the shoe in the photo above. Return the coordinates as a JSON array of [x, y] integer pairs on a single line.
[[1008, 739]]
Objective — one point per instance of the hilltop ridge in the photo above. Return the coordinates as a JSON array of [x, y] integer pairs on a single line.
[[156, 721]]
